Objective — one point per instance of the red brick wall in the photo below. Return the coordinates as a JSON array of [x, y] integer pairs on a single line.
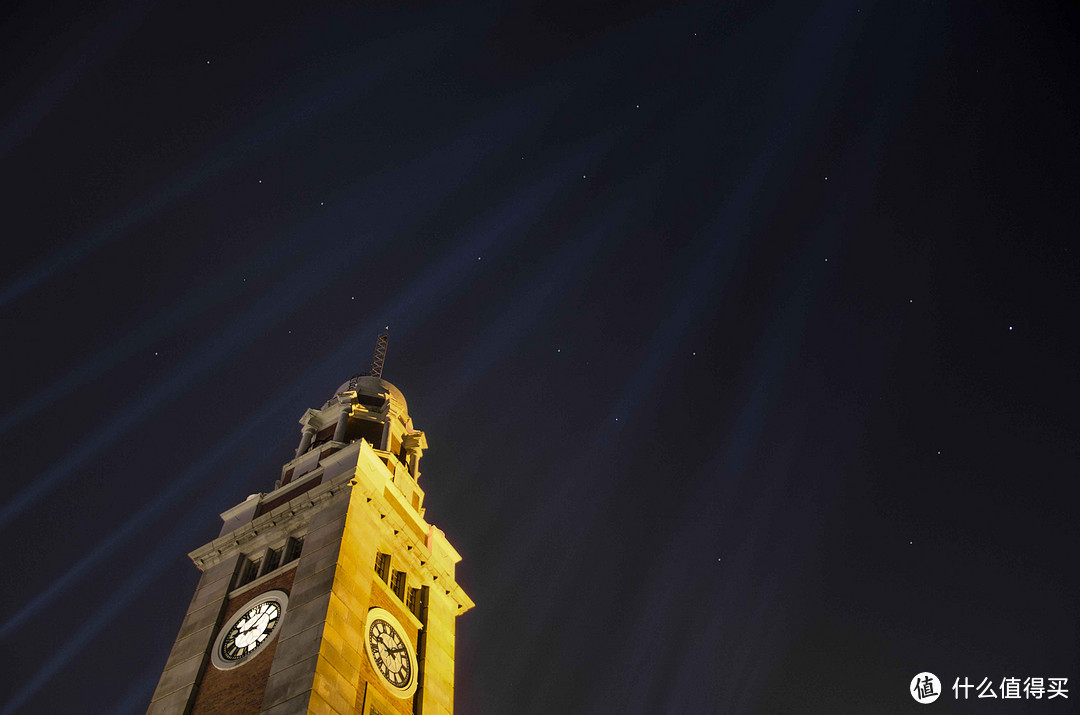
[[240, 691], [287, 496]]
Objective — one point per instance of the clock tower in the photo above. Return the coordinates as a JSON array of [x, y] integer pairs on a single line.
[[331, 593]]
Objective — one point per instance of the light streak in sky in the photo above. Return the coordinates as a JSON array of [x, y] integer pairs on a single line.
[[79, 60], [519, 317], [94, 622], [725, 241], [455, 160], [139, 694], [497, 233], [327, 98], [712, 261], [269, 310], [148, 514]]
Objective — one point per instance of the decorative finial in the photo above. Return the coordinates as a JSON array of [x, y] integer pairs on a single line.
[[380, 353]]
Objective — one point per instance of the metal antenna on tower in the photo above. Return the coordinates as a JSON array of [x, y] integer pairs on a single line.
[[380, 353]]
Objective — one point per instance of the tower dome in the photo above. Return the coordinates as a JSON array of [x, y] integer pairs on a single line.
[[373, 387]]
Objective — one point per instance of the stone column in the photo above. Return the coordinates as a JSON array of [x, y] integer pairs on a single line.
[[414, 449], [305, 439], [342, 423]]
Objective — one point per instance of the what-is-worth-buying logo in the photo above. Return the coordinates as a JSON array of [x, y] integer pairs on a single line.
[[926, 688]]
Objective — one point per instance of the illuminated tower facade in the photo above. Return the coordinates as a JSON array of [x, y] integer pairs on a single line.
[[331, 593]]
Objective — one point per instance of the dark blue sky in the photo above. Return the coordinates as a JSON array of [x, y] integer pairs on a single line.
[[742, 333]]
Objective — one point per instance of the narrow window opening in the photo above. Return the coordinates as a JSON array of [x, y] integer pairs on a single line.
[[272, 560], [293, 548], [382, 566], [369, 430], [412, 601], [248, 572], [397, 584], [371, 401]]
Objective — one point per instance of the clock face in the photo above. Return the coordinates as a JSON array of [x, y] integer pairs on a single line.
[[391, 653], [247, 634], [249, 630]]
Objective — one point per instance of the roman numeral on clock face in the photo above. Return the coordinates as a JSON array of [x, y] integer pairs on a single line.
[[390, 652]]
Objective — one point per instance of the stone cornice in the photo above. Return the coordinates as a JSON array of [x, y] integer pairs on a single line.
[[294, 513], [374, 482], [418, 553], [410, 529]]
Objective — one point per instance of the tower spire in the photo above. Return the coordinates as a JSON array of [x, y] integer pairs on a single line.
[[379, 360]]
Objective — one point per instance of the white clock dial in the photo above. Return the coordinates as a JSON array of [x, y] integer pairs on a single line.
[[249, 630], [255, 626]]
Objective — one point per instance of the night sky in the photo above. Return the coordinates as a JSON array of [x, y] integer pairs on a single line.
[[744, 334]]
